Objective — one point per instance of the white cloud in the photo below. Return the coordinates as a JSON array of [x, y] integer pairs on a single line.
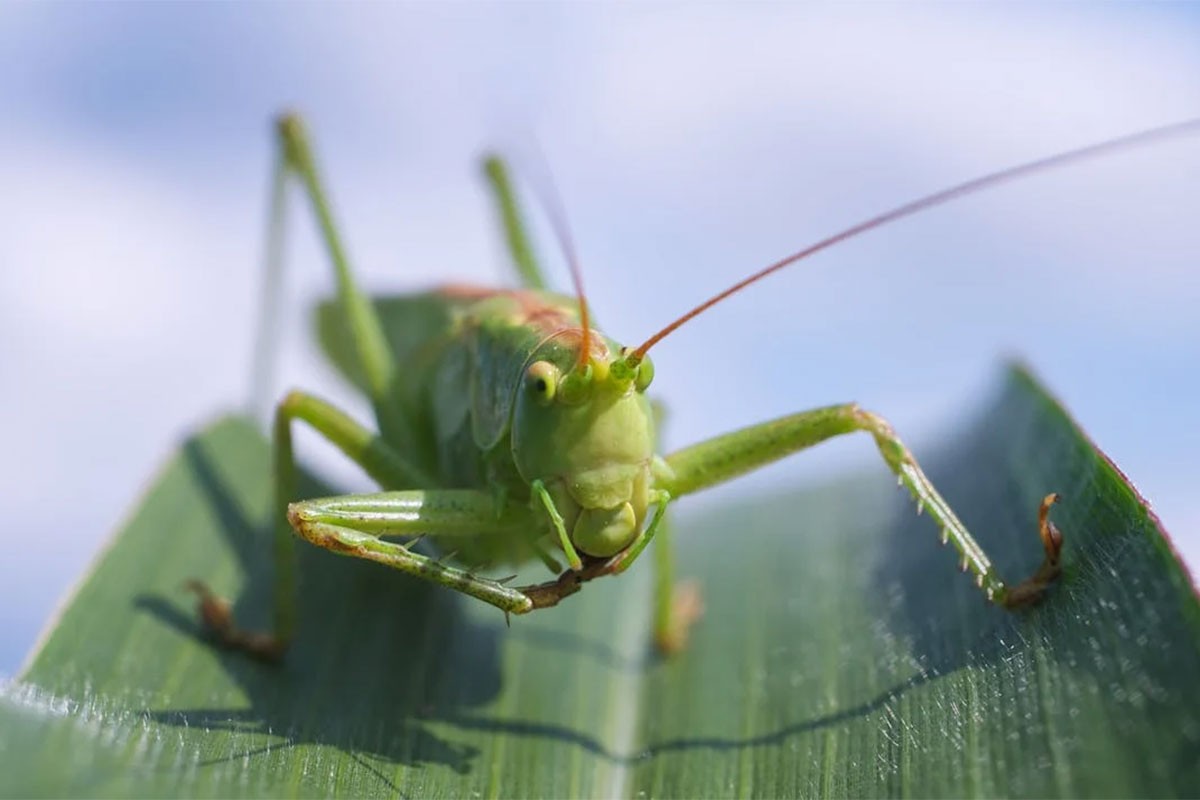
[[690, 148]]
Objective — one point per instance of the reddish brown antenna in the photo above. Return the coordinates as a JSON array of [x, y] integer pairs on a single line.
[[1186, 127], [553, 205]]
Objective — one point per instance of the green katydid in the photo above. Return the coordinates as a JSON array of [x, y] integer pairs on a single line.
[[510, 431]]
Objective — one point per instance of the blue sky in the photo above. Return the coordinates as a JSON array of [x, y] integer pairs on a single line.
[[691, 145]]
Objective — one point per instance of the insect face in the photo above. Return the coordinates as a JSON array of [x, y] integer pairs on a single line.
[[587, 433]]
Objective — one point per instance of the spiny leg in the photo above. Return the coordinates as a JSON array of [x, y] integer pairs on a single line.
[[354, 524], [362, 446], [724, 457], [514, 229]]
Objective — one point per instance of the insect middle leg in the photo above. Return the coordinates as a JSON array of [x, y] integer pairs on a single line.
[[676, 606], [724, 457]]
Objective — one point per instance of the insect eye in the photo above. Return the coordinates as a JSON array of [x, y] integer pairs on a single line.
[[541, 379], [645, 374]]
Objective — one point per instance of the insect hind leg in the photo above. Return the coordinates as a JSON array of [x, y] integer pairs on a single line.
[[374, 354], [519, 247]]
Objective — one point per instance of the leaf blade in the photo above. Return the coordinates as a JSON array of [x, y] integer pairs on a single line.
[[842, 653]]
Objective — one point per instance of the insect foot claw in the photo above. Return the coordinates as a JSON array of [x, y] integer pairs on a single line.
[[1052, 538], [217, 618], [214, 611], [544, 595], [1034, 589], [687, 606]]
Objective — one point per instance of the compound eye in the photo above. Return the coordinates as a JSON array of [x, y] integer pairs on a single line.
[[645, 374], [541, 380]]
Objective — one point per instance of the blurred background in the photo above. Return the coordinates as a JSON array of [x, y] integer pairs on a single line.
[[691, 145]]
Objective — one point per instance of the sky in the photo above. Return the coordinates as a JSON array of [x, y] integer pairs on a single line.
[[691, 144]]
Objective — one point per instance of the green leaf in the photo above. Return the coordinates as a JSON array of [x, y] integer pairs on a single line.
[[841, 654]]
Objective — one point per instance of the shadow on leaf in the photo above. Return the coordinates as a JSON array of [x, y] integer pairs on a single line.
[[399, 645], [369, 647]]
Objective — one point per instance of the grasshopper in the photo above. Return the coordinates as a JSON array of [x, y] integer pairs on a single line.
[[510, 430]]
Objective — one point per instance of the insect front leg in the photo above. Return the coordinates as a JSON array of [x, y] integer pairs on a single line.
[[365, 448], [354, 525], [724, 457], [674, 610], [542, 497]]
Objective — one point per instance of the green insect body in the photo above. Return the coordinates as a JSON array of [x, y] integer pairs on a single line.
[[485, 382], [510, 430]]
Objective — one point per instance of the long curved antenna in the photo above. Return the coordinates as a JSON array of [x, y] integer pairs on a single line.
[[1186, 127], [548, 196]]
